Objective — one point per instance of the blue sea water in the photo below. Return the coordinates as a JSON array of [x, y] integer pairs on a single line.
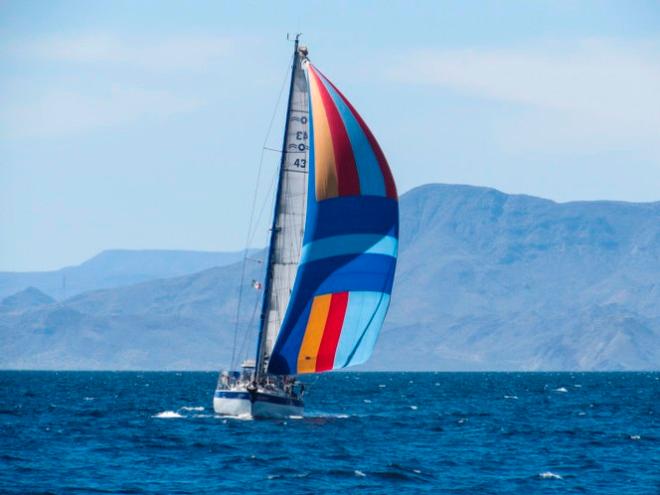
[[457, 433]]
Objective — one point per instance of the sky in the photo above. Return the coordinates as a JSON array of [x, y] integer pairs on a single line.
[[140, 125]]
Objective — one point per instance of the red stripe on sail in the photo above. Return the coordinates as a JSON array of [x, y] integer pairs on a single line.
[[326, 355], [348, 182], [390, 186]]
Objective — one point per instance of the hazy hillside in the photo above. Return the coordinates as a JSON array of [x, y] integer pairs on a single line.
[[24, 300], [114, 268], [486, 280]]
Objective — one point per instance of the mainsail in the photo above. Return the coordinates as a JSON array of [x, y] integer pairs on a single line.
[[289, 218], [346, 267]]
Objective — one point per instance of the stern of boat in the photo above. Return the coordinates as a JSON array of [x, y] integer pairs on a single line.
[[236, 395]]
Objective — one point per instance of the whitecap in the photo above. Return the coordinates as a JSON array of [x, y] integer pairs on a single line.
[[635, 437], [89, 398], [549, 475], [295, 416], [414, 408], [168, 415], [514, 397], [382, 385], [192, 408], [359, 473], [561, 389], [577, 385], [418, 471], [342, 416], [366, 401]]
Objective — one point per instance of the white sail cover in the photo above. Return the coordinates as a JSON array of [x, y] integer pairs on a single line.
[[290, 220]]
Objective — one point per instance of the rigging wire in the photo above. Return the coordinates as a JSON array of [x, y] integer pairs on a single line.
[[242, 350], [250, 233], [268, 201], [250, 330]]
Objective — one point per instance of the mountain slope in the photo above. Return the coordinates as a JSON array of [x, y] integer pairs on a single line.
[[486, 281], [25, 299], [115, 268]]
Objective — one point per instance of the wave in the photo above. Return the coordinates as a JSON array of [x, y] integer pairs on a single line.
[[324, 415], [167, 415], [549, 475]]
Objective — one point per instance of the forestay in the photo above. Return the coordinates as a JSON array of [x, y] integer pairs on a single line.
[[344, 280]]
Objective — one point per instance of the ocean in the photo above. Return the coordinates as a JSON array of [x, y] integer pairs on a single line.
[[455, 433]]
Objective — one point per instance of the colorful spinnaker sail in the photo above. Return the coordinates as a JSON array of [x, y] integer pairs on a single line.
[[345, 273]]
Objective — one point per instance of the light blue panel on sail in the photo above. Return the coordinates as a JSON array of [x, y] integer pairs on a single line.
[[364, 317]]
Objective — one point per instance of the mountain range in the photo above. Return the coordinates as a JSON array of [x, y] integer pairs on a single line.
[[114, 268], [485, 281]]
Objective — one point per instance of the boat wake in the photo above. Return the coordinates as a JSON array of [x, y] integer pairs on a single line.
[[185, 412], [240, 417]]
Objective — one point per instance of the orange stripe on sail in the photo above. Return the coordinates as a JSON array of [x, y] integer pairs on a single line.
[[332, 331], [348, 182], [325, 169], [313, 333]]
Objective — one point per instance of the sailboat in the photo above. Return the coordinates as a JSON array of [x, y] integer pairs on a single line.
[[331, 256]]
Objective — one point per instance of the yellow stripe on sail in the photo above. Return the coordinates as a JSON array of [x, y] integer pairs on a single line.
[[313, 333], [325, 170]]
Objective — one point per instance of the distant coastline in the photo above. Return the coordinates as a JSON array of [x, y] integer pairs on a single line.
[[486, 281]]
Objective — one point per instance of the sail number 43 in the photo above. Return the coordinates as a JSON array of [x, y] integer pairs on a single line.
[[301, 136]]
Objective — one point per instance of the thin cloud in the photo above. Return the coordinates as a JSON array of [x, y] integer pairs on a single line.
[[102, 80], [63, 112], [175, 53], [593, 90]]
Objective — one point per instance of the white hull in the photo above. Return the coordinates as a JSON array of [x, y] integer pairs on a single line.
[[262, 404]]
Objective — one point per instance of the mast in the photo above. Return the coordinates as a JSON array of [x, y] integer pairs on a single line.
[[262, 352]]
